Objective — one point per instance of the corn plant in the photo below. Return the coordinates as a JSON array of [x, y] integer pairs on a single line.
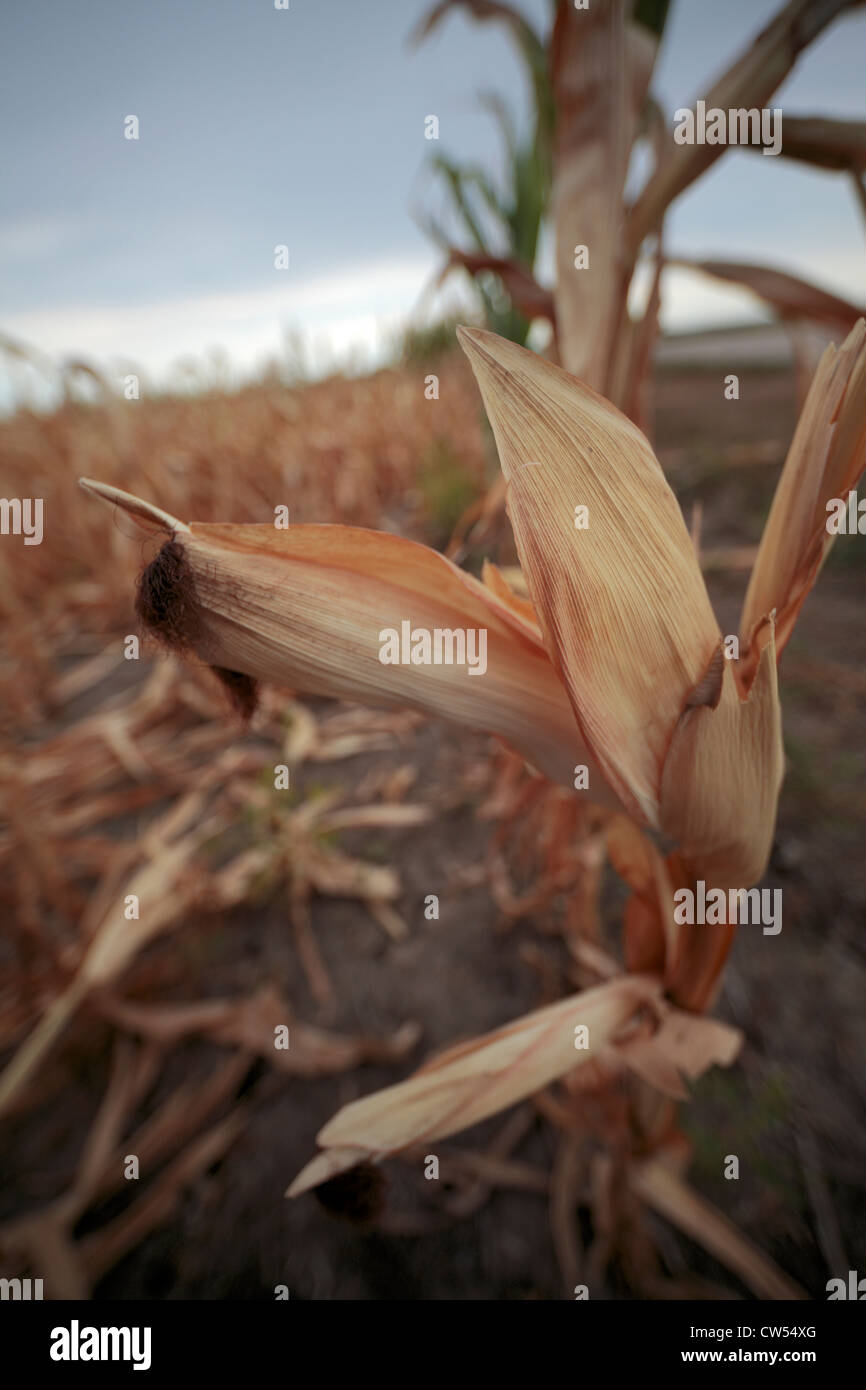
[[592, 106], [614, 666], [502, 224], [617, 666]]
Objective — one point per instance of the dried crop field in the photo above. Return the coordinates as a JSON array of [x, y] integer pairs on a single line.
[[308, 907]]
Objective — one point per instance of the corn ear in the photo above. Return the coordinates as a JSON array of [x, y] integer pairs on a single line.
[[305, 608]]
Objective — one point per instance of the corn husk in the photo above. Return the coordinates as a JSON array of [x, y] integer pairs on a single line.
[[306, 608]]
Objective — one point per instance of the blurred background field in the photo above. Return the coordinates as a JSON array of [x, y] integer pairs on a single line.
[[307, 906]]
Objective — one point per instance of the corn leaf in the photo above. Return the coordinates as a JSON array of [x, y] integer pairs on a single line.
[[826, 457], [827, 143], [790, 297], [605, 595], [527, 296]]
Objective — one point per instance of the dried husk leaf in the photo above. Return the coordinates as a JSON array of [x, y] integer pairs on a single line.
[[473, 1080], [721, 779], [622, 604], [476, 1079], [826, 457], [683, 1045]]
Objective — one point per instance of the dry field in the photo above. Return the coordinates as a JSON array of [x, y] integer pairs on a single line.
[[306, 907]]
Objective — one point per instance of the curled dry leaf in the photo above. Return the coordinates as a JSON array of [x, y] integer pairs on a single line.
[[627, 1020], [826, 457], [475, 1079], [790, 297], [736, 745], [683, 1045]]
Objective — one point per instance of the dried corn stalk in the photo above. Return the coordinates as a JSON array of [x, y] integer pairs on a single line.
[[619, 663]]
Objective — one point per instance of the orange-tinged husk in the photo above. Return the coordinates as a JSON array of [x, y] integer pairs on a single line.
[[478, 1078], [305, 607], [825, 460], [652, 939], [721, 779], [622, 603]]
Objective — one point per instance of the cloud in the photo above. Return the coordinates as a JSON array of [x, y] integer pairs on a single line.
[[349, 317], [351, 310]]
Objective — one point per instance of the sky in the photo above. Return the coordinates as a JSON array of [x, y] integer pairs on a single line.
[[304, 127]]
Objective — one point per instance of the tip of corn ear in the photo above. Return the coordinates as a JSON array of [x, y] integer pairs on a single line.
[[146, 516]]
